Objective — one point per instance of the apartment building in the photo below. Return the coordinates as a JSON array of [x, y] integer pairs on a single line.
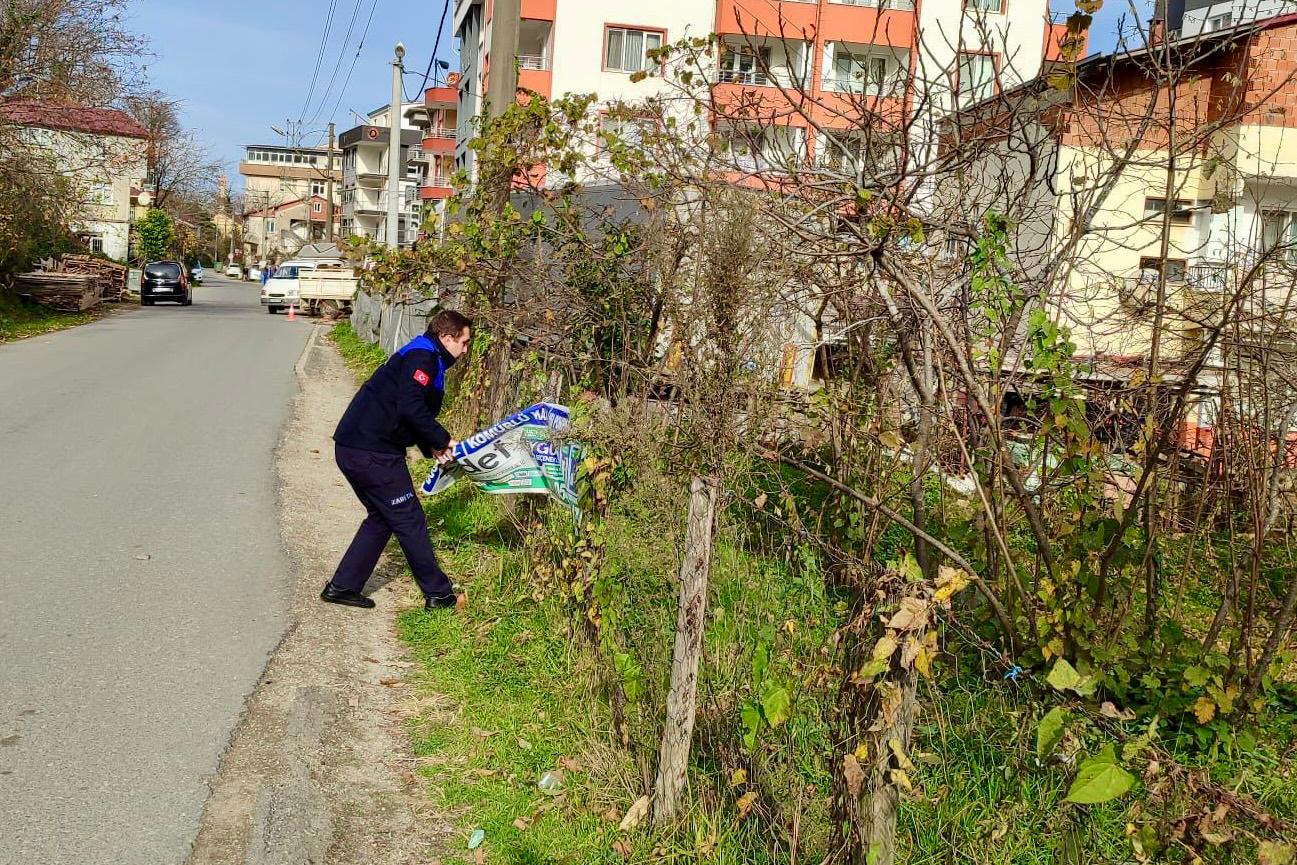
[[278, 232], [437, 120], [1189, 18], [102, 152], [274, 175], [925, 58], [365, 153]]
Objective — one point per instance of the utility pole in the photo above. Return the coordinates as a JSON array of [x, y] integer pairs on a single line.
[[328, 190], [394, 150]]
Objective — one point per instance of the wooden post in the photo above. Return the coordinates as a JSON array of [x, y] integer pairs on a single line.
[[678, 728]]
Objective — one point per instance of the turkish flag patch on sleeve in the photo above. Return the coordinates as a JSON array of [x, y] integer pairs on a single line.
[[421, 377]]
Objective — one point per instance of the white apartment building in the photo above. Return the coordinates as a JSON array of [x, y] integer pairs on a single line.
[[365, 154], [275, 175], [1191, 18], [808, 67], [102, 152]]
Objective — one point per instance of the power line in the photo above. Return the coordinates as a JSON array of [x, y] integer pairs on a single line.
[[364, 33], [441, 25], [337, 66], [319, 58]]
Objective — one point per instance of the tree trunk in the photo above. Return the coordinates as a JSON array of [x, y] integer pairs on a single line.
[[677, 731], [873, 715]]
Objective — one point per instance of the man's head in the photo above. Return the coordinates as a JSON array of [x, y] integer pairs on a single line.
[[454, 329]]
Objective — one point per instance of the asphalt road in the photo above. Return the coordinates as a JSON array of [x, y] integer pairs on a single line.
[[142, 581]]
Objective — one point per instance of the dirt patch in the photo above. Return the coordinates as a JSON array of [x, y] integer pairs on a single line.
[[320, 770]]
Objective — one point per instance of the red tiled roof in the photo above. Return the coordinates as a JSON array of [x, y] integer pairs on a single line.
[[73, 118]]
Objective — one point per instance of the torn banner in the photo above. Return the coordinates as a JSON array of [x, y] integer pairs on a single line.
[[524, 453]]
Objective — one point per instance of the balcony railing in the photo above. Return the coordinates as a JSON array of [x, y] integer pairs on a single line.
[[898, 5], [416, 154], [750, 78], [534, 62], [890, 87], [438, 181], [439, 132]]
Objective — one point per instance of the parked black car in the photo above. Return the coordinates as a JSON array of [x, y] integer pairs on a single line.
[[165, 280]]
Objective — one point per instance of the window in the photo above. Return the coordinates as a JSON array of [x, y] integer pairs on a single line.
[[317, 187], [1279, 229], [853, 73], [1220, 22], [270, 226], [985, 5], [1150, 267], [100, 192], [976, 76], [627, 50], [96, 243], [745, 66], [628, 130], [1182, 215], [317, 207]]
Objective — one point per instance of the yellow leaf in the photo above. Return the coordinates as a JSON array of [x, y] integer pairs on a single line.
[[898, 751], [1204, 709], [790, 626], [884, 648], [745, 803], [923, 662], [950, 582], [862, 752], [901, 779], [738, 777]]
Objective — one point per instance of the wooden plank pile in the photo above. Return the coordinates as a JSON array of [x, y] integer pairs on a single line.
[[72, 292], [110, 275]]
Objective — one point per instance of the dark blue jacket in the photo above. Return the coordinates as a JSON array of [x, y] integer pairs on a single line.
[[397, 408]]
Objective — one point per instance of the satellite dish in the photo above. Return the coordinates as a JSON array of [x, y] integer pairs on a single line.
[[145, 198]]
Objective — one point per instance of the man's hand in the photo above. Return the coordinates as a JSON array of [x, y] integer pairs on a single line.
[[448, 455]]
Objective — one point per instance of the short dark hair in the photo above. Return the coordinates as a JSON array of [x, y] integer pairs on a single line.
[[448, 322]]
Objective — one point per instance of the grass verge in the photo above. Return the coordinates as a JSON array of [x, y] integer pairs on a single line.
[[20, 319], [508, 695]]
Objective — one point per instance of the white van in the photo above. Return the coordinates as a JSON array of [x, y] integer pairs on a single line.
[[283, 290]]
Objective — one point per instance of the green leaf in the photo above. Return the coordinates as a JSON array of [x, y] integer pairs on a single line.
[[874, 668], [776, 705], [760, 661], [751, 724], [1197, 676], [1049, 732], [1064, 676], [1100, 779]]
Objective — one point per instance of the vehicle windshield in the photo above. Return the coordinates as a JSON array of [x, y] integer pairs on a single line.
[[162, 270], [288, 271]]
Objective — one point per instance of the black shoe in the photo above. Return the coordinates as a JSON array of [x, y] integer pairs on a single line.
[[442, 602], [346, 597]]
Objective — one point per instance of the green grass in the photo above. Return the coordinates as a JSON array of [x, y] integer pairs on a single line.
[[361, 357], [506, 693], [20, 319]]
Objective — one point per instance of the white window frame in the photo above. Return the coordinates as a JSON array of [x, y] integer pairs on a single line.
[[627, 57], [979, 90], [745, 64]]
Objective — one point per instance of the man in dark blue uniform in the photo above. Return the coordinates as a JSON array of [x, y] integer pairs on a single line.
[[396, 409]]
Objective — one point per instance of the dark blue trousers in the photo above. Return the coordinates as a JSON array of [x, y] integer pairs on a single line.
[[382, 483]]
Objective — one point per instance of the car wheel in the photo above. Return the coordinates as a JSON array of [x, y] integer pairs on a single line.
[[189, 301], [272, 309], [146, 301]]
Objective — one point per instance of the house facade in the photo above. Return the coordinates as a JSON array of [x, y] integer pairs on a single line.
[[365, 154], [102, 153], [275, 175]]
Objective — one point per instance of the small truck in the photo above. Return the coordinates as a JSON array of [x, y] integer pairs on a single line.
[[327, 290]]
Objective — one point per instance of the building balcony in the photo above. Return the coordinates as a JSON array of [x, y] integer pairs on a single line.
[[441, 97], [436, 188], [439, 140]]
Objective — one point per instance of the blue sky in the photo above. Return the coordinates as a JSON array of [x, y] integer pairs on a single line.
[[241, 66]]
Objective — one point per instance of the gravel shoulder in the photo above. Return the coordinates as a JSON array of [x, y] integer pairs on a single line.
[[320, 769]]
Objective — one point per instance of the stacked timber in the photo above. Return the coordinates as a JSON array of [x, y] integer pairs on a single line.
[[73, 292], [110, 275]]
